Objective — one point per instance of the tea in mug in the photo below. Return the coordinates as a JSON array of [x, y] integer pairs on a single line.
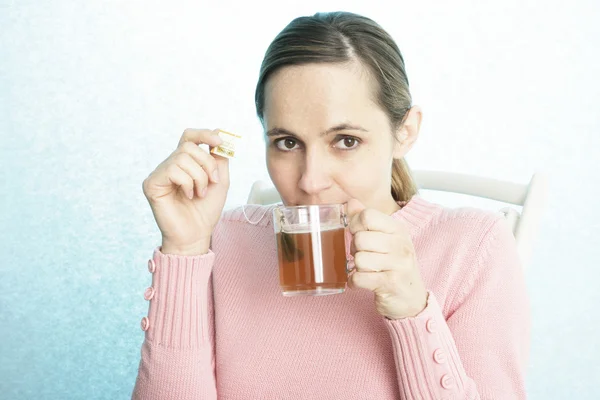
[[312, 262]]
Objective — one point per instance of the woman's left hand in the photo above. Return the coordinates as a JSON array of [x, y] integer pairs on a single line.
[[385, 262]]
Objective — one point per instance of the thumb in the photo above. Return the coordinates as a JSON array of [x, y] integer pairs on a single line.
[[353, 207]]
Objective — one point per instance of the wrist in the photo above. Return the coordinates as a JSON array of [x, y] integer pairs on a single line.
[[193, 249], [410, 309], [420, 305]]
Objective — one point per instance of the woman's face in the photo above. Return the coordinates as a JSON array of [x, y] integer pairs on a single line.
[[327, 139]]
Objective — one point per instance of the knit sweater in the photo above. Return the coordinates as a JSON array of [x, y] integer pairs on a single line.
[[218, 326]]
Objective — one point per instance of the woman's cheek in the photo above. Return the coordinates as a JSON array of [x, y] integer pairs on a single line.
[[362, 179], [283, 176], [352, 178]]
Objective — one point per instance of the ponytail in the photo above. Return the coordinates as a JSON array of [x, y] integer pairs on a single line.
[[403, 184]]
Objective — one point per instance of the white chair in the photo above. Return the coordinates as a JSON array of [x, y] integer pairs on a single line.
[[524, 225]]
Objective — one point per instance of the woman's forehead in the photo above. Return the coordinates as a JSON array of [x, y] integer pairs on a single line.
[[318, 91], [318, 79]]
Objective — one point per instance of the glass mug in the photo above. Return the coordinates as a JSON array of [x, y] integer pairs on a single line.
[[311, 249]]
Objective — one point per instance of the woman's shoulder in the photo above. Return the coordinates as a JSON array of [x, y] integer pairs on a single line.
[[464, 218], [466, 226], [467, 246]]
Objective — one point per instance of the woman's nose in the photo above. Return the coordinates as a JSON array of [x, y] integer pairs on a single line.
[[315, 176]]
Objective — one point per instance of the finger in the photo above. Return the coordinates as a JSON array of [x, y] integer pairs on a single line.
[[372, 241], [366, 261], [201, 136], [178, 177], [223, 168], [367, 280], [372, 220], [206, 161], [195, 171]]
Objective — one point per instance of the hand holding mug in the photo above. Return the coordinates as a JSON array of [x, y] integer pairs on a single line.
[[385, 262]]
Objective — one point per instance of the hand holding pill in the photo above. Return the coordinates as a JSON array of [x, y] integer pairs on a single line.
[[187, 191]]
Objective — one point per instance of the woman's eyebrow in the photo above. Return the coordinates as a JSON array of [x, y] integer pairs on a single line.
[[279, 132], [341, 127]]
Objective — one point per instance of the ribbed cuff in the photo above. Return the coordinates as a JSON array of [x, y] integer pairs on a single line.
[[178, 314], [427, 361]]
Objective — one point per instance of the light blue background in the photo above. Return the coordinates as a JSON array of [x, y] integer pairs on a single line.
[[94, 94]]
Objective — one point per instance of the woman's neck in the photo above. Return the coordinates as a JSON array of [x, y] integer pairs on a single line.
[[390, 206]]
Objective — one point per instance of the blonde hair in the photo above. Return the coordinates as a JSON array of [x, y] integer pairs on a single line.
[[341, 37]]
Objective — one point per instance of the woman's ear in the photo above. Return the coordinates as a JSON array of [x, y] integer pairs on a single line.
[[407, 134]]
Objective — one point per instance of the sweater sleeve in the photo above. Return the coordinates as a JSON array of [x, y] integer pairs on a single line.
[[177, 356], [480, 350]]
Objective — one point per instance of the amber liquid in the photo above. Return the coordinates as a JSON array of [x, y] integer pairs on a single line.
[[312, 263]]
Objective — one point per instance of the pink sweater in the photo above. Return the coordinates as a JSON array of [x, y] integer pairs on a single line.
[[218, 326]]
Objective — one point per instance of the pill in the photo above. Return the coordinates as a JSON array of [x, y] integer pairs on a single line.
[[227, 148]]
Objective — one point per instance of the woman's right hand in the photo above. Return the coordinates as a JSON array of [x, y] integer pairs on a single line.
[[187, 193]]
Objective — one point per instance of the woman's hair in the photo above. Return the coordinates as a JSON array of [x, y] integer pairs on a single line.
[[343, 37]]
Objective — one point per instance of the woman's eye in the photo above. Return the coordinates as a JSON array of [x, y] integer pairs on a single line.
[[286, 144], [347, 143]]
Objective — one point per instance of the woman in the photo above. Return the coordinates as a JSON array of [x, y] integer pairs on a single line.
[[437, 305]]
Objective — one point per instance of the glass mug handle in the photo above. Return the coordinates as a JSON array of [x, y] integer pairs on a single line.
[[349, 263]]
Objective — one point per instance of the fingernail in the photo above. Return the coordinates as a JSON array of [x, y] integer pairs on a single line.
[[215, 176], [203, 193]]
